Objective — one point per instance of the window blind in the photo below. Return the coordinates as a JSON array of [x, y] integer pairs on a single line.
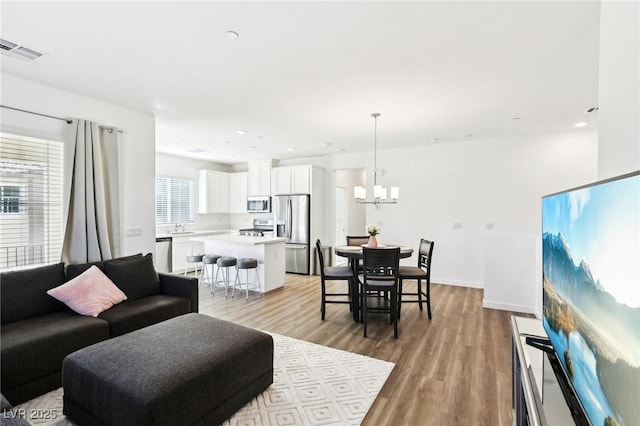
[[31, 179], [174, 200]]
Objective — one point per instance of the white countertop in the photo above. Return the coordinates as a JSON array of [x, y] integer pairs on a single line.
[[240, 239], [194, 233]]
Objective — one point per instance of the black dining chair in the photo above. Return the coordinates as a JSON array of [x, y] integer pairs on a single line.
[[420, 273], [333, 273], [357, 240], [379, 280]]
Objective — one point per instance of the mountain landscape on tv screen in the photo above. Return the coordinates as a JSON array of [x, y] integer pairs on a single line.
[[575, 302]]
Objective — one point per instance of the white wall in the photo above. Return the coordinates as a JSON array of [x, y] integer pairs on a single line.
[[473, 183], [619, 88], [138, 142], [516, 285]]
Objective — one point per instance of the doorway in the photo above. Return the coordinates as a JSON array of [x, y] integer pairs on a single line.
[[342, 220], [350, 217]]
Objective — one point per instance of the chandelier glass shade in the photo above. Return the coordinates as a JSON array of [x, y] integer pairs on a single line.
[[379, 192]]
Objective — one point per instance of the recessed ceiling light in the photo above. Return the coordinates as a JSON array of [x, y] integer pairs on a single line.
[[580, 124], [291, 148], [435, 139], [241, 132], [326, 144], [197, 150], [231, 35]]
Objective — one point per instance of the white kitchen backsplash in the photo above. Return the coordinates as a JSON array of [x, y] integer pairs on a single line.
[[212, 221], [205, 222], [240, 221]]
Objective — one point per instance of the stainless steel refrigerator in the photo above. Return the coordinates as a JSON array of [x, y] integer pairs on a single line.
[[292, 221]]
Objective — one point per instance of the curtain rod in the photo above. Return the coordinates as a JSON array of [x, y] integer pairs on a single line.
[[37, 113], [112, 129], [68, 121]]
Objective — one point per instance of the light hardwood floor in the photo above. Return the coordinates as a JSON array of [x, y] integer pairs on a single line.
[[452, 370]]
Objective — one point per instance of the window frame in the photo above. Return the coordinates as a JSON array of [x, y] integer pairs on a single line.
[[178, 195], [11, 200], [34, 234]]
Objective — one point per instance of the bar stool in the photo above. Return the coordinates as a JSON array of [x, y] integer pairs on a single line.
[[193, 259], [246, 264], [210, 259], [225, 263]]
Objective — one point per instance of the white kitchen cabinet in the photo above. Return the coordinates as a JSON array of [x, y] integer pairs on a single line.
[[291, 180], [238, 191], [213, 192], [301, 180], [181, 247], [259, 177], [281, 181]]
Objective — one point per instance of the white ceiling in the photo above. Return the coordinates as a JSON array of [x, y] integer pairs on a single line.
[[303, 74]]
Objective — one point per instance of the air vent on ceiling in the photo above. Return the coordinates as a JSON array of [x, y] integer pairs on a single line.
[[14, 50]]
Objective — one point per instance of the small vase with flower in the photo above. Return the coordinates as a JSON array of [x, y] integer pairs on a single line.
[[373, 230]]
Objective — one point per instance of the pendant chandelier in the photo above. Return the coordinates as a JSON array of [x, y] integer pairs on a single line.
[[379, 192]]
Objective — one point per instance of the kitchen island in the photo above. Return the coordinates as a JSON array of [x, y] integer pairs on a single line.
[[269, 251]]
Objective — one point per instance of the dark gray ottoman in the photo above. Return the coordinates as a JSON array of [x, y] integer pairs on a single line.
[[192, 369]]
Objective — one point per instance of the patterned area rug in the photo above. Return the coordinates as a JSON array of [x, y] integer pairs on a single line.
[[312, 385]]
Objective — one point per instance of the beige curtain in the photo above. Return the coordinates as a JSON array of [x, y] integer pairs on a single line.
[[91, 193]]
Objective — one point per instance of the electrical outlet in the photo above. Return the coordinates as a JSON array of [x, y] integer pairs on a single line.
[[134, 232]]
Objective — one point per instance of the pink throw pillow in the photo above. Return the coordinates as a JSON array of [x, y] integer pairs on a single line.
[[90, 293]]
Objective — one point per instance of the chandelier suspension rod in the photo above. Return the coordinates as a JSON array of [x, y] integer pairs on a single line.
[[375, 116]]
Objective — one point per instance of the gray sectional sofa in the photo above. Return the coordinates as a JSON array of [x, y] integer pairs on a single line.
[[37, 331]]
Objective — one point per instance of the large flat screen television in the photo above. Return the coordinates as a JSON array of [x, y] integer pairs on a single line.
[[591, 295]]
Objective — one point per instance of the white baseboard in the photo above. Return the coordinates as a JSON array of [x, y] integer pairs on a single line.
[[457, 283], [508, 307], [538, 313]]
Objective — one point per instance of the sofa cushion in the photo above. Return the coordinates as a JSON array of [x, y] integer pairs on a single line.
[[89, 293], [73, 270], [23, 293], [135, 314], [136, 277], [36, 347]]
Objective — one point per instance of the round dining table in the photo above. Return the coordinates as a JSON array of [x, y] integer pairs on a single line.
[[354, 254]]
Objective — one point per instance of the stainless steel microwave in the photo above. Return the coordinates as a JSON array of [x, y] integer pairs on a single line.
[[259, 204]]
